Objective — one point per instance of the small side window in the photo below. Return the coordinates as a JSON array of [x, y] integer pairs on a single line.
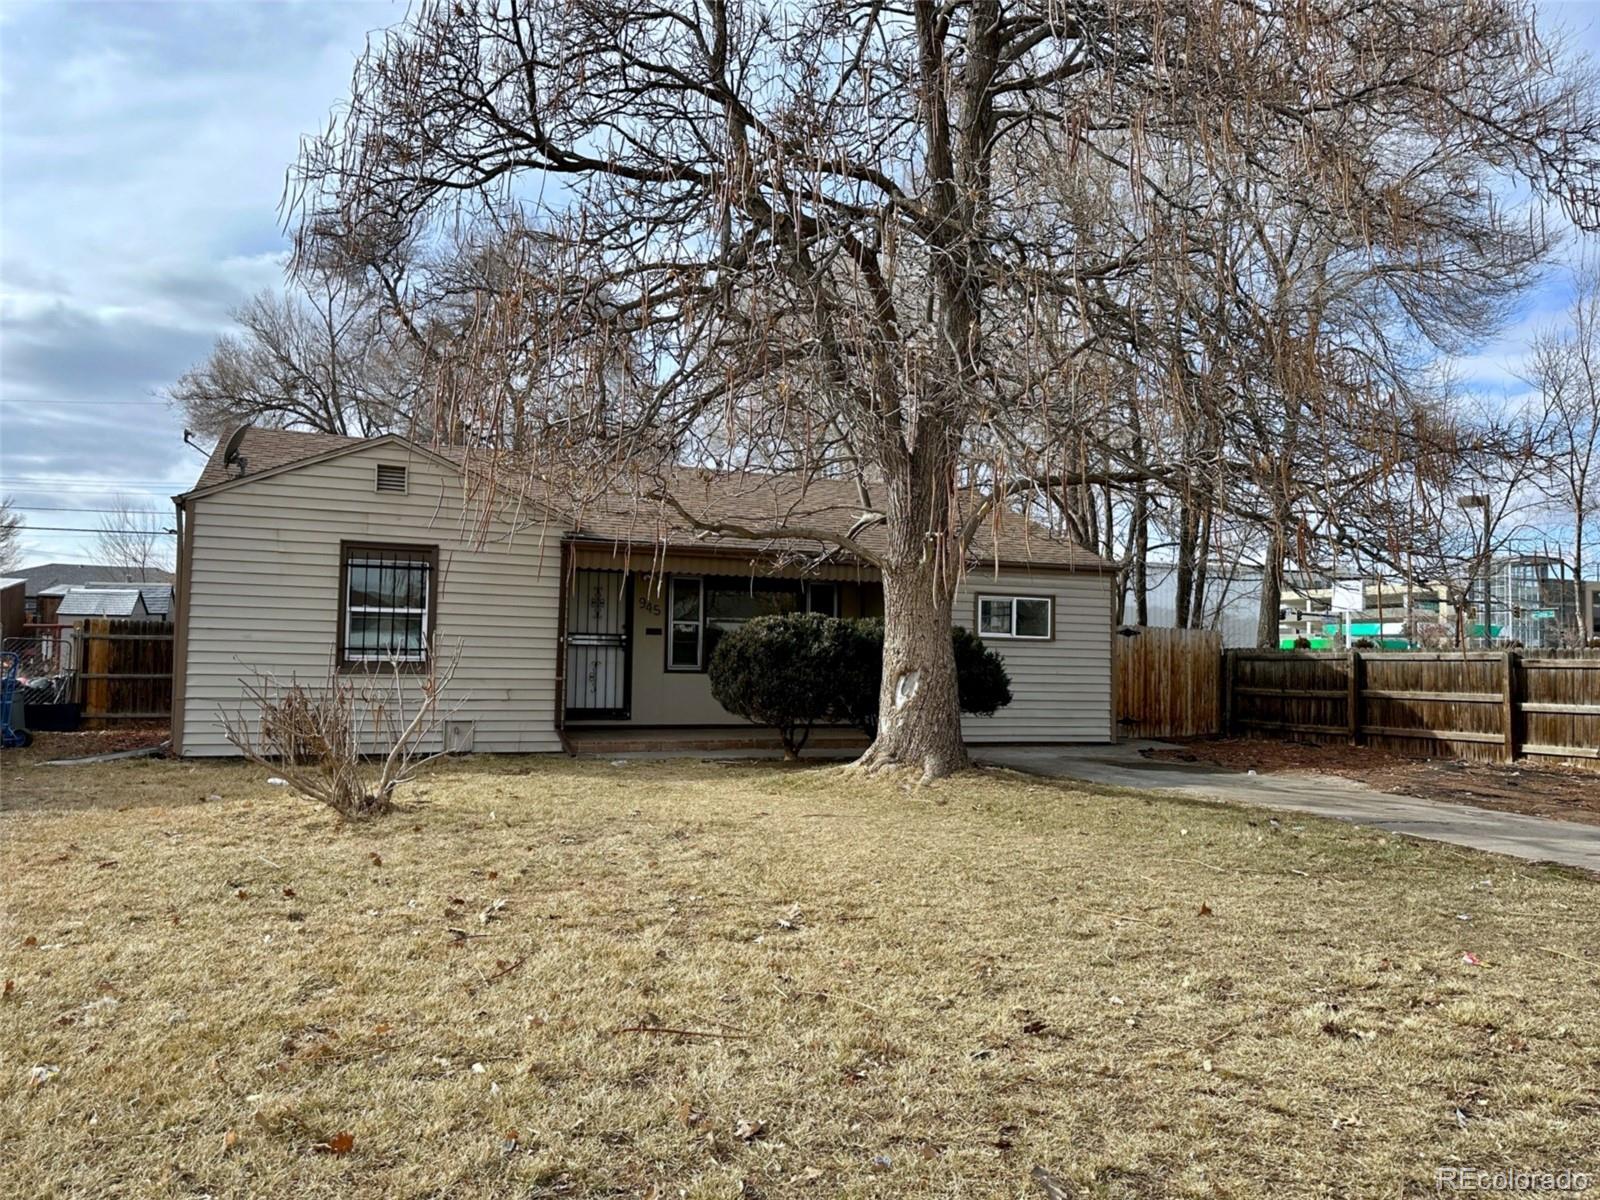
[[686, 634], [823, 598], [1028, 617]]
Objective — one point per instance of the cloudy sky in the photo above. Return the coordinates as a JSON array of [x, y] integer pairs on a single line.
[[142, 156]]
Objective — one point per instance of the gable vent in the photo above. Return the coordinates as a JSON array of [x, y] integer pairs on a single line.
[[391, 478]]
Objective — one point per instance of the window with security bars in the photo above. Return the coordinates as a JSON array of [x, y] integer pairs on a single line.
[[388, 603]]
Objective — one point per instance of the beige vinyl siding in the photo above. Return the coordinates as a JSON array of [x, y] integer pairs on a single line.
[[1061, 688], [265, 587]]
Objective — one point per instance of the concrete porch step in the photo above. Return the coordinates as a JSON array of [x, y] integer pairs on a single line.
[[691, 740]]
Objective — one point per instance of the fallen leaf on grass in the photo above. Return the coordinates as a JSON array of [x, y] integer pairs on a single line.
[[30, 940], [339, 1144], [10, 987], [492, 912], [288, 893], [749, 1131], [106, 865], [230, 1140], [242, 894], [377, 859], [1471, 960], [508, 1143], [1205, 910], [41, 1074]]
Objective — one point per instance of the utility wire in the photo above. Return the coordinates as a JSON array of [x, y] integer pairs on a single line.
[[26, 529]]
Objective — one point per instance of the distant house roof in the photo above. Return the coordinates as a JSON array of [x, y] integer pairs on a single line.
[[751, 498], [157, 598], [102, 602], [48, 576]]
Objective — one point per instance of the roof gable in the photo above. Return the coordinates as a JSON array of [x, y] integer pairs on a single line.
[[743, 497], [101, 602], [271, 452]]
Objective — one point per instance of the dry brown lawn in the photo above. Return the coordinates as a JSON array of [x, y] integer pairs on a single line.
[[890, 993]]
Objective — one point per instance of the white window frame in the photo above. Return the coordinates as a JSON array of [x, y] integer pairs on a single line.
[[1011, 601], [822, 583], [699, 585], [351, 611]]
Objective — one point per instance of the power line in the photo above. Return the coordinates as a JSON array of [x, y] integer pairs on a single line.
[[54, 508], [86, 529], [88, 479]]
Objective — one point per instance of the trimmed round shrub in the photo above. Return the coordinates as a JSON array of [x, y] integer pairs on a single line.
[[779, 671], [797, 671], [981, 677]]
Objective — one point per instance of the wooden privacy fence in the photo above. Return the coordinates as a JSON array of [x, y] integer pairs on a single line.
[[1488, 705], [125, 670], [1167, 682]]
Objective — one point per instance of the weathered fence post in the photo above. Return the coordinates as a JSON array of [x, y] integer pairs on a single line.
[[1352, 707], [1228, 660], [1511, 699]]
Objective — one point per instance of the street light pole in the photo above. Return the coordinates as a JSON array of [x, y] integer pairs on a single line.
[[1479, 501]]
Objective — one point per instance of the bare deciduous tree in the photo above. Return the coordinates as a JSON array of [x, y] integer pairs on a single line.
[[11, 525], [319, 357], [1565, 368], [134, 539], [819, 238]]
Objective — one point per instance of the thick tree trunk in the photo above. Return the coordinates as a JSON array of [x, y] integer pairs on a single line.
[[1197, 600], [1141, 557], [1271, 592], [919, 709]]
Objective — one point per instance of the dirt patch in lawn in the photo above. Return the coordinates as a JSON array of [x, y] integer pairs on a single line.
[[548, 978], [1566, 793], [85, 742]]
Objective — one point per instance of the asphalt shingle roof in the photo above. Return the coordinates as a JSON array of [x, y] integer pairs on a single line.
[[752, 499], [100, 602], [57, 575]]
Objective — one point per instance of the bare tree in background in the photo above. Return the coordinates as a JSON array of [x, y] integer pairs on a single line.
[[319, 357], [812, 237], [1565, 368], [11, 525], [134, 539]]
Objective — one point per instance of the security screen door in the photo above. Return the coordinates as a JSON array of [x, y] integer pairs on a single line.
[[597, 646]]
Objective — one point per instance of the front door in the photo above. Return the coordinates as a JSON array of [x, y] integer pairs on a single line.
[[598, 627]]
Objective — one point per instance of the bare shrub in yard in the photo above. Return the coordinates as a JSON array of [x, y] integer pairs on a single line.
[[349, 742]]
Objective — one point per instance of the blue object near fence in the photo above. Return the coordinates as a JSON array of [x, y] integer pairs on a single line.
[[10, 737]]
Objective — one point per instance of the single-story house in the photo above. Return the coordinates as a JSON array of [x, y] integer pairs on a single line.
[[304, 548], [46, 583]]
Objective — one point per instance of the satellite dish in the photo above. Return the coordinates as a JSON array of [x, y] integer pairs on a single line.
[[230, 451]]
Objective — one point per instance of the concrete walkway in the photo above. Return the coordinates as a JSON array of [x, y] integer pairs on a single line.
[[1537, 839]]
